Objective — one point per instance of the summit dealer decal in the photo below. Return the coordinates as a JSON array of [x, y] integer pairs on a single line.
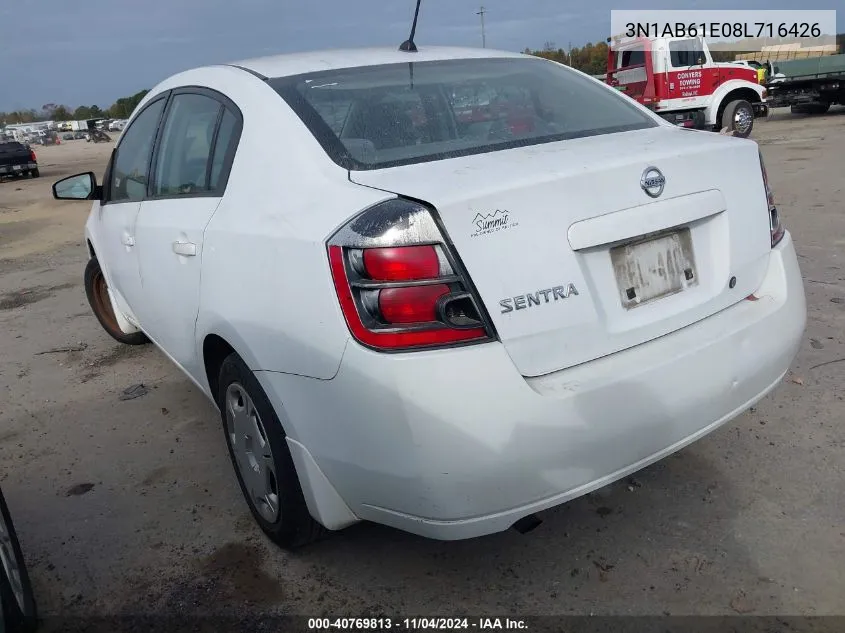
[[486, 223]]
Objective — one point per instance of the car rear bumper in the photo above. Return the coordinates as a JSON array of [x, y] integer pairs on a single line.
[[18, 168], [456, 444]]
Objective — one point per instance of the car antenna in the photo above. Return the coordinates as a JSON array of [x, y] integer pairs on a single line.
[[408, 45]]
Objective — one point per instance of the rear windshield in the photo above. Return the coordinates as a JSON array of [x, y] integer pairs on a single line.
[[397, 114]]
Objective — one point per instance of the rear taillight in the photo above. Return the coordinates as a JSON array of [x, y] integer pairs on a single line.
[[32, 155], [399, 284], [775, 227]]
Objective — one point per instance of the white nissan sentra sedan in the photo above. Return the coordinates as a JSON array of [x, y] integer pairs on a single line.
[[441, 290]]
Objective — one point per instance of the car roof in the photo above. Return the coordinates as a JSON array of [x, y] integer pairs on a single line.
[[314, 61]]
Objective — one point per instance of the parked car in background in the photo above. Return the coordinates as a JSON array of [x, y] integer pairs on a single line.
[[47, 137], [17, 602], [96, 135], [69, 136], [17, 159], [80, 135], [434, 320]]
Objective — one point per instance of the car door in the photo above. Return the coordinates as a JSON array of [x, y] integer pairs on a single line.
[[125, 186], [191, 164]]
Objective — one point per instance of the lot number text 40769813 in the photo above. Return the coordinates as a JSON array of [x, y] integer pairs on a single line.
[[414, 624]]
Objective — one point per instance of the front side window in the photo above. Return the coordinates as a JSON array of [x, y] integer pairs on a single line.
[[395, 114], [686, 53], [182, 165], [130, 171]]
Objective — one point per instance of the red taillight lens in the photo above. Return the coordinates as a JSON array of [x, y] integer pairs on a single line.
[[413, 304], [776, 229], [404, 296], [32, 156], [402, 263]]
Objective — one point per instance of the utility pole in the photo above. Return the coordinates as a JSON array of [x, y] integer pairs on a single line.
[[483, 33]]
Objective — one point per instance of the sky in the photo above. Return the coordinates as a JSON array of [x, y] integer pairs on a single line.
[[92, 52]]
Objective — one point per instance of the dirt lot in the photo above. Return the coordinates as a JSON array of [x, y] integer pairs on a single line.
[[132, 506]]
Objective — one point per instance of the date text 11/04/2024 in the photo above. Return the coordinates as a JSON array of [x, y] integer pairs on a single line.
[[723, 29], [413, 624]]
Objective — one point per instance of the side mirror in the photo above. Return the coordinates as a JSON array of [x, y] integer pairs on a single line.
[[78, 187]]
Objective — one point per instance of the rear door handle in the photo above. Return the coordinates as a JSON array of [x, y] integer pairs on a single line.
[[187, 249], [127, 240]]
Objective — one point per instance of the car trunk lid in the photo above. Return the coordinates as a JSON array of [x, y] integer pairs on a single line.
[[574, 259]]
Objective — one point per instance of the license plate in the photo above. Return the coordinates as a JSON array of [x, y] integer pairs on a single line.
[[16, 167], [651, 269]]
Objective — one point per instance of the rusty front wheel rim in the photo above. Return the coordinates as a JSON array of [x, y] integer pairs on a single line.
[[102, 303]]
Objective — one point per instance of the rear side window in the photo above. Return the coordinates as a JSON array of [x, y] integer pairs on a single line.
[[182, 165], [130, 173], [226, 139], [631, 57], [396, 114], [11, 148]]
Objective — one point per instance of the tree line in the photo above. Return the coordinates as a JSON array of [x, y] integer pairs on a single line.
[[592, 58], [120, 109]]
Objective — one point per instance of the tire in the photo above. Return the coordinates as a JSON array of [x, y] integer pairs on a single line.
[[738, 116], [285, 518], [97, 292], [19, 614], [34, 173]]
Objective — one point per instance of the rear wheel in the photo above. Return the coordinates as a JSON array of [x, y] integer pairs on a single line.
[[738, 117], [18, 602], [97, 292], [263, 463], [34, 173]]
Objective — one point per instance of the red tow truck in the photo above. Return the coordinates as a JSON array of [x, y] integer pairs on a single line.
[[677, 78]]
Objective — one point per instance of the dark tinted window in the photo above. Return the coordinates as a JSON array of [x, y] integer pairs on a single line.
[[130, 171], [185, 147], [396, 114], [632, 57], [686, 53], [11, 147], [225, 138]]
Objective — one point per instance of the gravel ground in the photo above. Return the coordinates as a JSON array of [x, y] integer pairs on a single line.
[[127, 507]]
